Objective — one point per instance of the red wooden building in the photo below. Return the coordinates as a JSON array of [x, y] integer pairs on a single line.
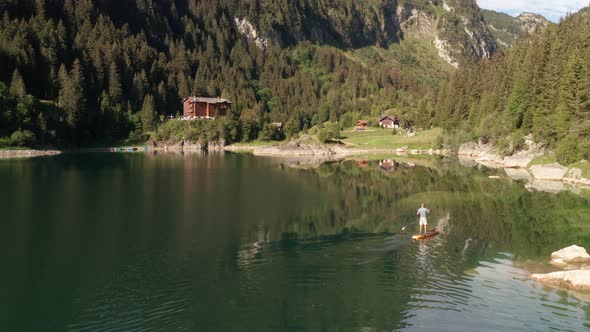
[[362, 125], [204, 108]]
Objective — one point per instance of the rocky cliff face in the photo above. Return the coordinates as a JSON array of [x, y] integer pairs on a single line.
[[506, 29], [455, 27]]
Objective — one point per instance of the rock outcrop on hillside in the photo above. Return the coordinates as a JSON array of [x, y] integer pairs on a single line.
[[456, 28]]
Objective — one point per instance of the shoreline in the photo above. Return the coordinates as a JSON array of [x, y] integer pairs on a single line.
[[548, 177], [30, 153]]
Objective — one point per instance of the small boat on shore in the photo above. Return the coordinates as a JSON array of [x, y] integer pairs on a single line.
[[429, 233]]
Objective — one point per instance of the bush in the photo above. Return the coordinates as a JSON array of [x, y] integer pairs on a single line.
[[138, 136], [453, 139], [569, 150], [23, 138], [5, 142], [330, 132]]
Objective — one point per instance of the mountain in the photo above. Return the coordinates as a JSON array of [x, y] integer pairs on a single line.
[[506, 29], [541, 86], [85, 71]]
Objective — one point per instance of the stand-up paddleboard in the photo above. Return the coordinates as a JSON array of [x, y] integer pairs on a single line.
[[430, 233]]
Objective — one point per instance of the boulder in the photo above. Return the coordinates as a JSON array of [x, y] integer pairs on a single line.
[[573, 254], [576, 279], [551, 172], [518, 174], [469, 149], [519, 160]]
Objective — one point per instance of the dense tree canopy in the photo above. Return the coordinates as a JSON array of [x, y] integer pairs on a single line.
[[83, 71], [541, 86]]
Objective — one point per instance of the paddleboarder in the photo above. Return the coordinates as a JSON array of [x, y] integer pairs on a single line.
[[422, 212]]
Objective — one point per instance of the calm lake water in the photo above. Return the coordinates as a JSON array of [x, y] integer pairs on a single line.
[[138, 242]]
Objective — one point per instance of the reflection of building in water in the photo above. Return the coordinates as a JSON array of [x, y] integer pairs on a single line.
[[362, 163], [391, 165], [388, 165]]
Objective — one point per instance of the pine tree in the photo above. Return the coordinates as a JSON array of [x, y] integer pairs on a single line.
[[148, 113], [17, 85], [115, 89]]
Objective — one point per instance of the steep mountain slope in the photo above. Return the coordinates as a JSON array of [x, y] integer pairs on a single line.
[[506, 29], [541, 86], [85, 70]]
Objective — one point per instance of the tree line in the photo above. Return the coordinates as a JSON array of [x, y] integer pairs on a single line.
[[96, 71], [541, 87]]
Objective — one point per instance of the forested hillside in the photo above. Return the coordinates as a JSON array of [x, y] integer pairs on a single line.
[[542, 86], [91, 71]]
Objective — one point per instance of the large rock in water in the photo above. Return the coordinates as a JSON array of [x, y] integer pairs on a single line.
[[519, 160], [569, 255], [469, 149], [577, 280], [553, 172]]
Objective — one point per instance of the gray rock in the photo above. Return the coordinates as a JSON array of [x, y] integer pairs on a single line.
[[519, 174], [572, 254], [576, 279], [469, 149], [552, 172], [519, 160]]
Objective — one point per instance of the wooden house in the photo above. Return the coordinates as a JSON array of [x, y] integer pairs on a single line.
[[388, 165], [388, 121], [204, 108], [362, 125]]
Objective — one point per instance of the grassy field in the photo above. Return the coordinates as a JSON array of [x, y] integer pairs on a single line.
[[256, 143], [379, 138]]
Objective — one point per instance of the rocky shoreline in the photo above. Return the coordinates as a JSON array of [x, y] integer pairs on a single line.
[[305, 150], [14, 154], [575, 274], [551, 177]]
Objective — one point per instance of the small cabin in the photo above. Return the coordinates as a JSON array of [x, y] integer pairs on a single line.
[[204, 108], [362, 125], [388, 121], [388, 165]]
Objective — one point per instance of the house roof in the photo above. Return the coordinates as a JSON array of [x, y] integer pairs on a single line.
[[362, 122], [207, 100], [391, 117]]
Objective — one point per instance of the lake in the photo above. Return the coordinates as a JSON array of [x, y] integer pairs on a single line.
[[230, 242]]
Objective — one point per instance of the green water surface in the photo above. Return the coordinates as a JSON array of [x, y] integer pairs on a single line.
[[214, 242]]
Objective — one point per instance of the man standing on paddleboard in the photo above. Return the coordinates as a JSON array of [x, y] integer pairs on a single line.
[[423, 222]]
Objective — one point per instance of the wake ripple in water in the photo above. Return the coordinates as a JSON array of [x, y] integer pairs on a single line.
[[379, 283]]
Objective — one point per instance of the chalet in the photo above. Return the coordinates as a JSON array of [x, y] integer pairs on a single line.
[[362, 163], [204, 108], [362, 125], [388, 165], [391, 122]]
